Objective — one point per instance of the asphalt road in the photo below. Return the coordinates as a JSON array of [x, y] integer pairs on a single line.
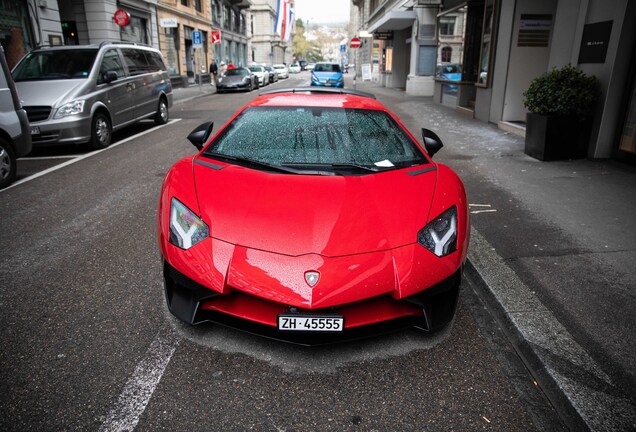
[[87, 343]]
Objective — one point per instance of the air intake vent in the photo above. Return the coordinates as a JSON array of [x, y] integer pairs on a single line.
[[37, 113]]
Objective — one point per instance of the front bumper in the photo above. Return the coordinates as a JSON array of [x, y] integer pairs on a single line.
[[430, 309], [232, 87], [337, 84]]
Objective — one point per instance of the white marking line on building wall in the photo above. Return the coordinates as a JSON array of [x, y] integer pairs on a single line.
[[86, 156], [141, 385]]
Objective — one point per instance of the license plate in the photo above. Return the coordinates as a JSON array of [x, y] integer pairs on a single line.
[[307, 323], [35, 130]]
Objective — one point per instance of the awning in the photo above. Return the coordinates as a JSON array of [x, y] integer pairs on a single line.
[[394, 20]]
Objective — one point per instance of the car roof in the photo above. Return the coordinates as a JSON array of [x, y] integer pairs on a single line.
[[313, 97], [93, 46]]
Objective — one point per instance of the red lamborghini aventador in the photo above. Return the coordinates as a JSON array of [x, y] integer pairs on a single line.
[[313, 215]]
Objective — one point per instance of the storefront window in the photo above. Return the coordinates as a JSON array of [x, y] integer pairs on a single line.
[[15, 30], [135, 31], [628, 135], [486, 43], [171, 38], [451, 25]]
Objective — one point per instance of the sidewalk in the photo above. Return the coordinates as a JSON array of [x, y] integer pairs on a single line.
[[552, 255], [185, 94]]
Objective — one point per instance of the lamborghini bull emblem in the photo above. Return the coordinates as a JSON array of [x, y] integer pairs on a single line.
[[312, 277]]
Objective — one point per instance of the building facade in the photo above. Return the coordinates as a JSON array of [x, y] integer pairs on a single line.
[[266, 46], [399, 43], [508, 43], [172, 26]]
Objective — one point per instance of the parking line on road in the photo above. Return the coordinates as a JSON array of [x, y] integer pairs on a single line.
[[86, 156], [141, 385]]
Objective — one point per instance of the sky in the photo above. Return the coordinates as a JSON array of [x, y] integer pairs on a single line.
[[322, 11]]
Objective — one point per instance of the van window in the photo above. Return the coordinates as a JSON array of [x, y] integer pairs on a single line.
[[155, 61], [136, 61], [110, 62], [55, 65]]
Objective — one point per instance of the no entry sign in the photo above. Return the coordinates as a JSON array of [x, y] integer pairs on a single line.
[[355, 43], [121, 18]]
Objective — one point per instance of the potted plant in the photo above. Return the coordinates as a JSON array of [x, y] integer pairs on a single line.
[[560, 104]]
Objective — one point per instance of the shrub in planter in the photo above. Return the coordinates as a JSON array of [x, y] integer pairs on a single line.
[[560, 101]]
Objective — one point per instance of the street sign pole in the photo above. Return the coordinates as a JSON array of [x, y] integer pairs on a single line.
[[355, 44], [197, 44]]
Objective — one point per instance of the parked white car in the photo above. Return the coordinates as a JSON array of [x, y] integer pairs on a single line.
[[282, 71], [294, 68], [261, 73]]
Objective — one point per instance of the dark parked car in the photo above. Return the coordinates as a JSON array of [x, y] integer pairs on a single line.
[[273, 74], [15, 137], [239, 79]]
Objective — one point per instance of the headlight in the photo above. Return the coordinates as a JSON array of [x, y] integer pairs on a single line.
[[440, 235], [69, 109], [186, 228], [314, 78]]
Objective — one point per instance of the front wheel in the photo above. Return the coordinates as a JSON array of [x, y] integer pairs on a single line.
[[7, 164], [101, 131], [161, 117]]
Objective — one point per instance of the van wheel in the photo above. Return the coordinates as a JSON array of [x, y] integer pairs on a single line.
[[101, 132], [7, 164], [162, 115]]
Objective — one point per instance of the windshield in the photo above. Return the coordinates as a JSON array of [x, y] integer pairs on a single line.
[[236, 72], [55, 64], [318, 139], [256, 69], [322, 67]]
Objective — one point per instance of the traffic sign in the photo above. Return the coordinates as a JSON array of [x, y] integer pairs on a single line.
[[197, 40], [121, 18], [355, 43]]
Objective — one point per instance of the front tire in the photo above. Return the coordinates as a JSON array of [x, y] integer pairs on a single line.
[[162, 116], [101, 131], [7, 164]]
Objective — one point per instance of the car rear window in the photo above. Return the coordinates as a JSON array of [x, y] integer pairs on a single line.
[[322, 67], [55, 64], [315, 135]]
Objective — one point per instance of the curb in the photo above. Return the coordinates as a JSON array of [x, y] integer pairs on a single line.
[[581, 393]]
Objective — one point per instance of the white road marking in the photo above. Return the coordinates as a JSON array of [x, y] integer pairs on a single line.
[[141, 385], [50, 157], [481, 211], [86, 156]]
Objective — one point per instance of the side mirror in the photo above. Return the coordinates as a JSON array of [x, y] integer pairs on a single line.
[[110, 76], [200, 134], [432, 143]]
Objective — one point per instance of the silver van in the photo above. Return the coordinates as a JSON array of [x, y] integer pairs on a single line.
[[15, 139], [81, 94]]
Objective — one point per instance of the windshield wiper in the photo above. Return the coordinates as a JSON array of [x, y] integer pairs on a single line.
[[332, 165], [250, 162]]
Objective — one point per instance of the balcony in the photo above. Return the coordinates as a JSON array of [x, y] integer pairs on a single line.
[[241, 4]]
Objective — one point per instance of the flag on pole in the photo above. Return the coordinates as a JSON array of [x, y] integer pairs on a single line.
[[284, 14]]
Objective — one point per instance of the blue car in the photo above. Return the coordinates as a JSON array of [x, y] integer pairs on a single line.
[[327, 75]]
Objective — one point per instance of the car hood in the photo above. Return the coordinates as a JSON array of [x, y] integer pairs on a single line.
[[48, 92], [302, 214], [234, 79]]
